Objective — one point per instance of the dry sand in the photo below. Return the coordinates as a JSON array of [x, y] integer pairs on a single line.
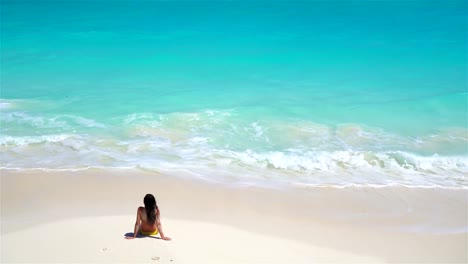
[[83, 217]]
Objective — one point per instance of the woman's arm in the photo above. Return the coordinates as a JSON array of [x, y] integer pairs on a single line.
[[137, 225], [158, 223]]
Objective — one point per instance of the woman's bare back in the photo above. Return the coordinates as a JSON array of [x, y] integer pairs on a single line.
[[145, 226]]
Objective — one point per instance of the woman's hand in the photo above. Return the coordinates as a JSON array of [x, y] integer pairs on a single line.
[[166, 238], [129, 237]]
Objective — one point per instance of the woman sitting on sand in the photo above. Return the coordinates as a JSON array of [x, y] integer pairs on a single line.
[[148, 221]]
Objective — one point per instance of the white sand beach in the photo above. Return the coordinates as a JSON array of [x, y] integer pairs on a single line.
[[83, 217]]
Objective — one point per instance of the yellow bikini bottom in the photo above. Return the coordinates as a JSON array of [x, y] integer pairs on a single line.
[[151, 233]]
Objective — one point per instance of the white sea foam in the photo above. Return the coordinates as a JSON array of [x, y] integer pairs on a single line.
[[14, 104], [48, 122], [23, 118], [226, 145], [197, 156], [30, 140], [6, 104], [81, 121]]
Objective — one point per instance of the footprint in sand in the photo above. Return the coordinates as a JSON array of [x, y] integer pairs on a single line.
[[105, 249], [155, 258]]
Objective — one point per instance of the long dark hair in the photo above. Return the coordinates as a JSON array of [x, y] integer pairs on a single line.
[[150, 207]]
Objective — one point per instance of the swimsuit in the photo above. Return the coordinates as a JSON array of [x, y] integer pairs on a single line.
[[150, 233]]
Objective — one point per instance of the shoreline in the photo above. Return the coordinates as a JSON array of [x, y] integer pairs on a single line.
[[393, 224], [233, 183]]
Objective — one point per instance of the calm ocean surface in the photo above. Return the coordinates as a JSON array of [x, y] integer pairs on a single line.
[[302, 92]]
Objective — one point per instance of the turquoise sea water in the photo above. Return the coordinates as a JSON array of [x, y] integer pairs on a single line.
[[302, 92]]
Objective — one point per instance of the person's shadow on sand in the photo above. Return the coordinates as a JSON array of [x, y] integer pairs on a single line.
[[130, 235]]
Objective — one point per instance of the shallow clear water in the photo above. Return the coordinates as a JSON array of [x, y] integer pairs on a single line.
[[305, 92]]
